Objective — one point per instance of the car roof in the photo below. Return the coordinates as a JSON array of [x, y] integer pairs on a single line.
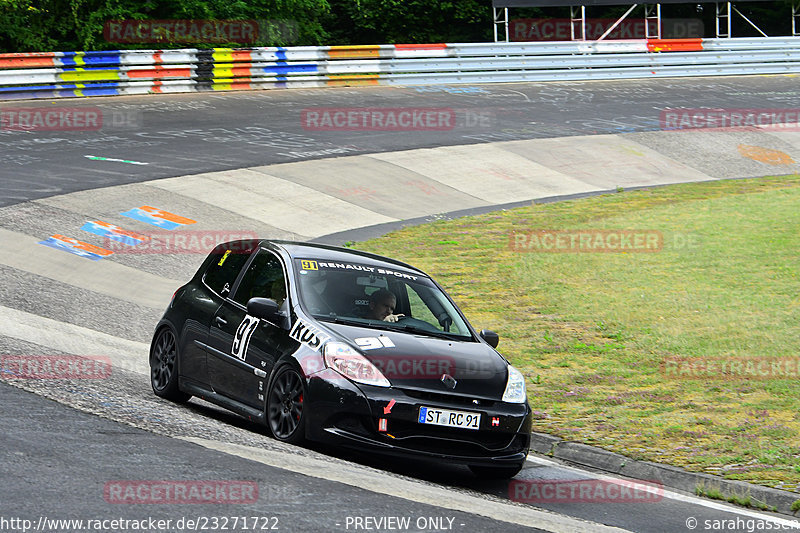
[[325, 252]]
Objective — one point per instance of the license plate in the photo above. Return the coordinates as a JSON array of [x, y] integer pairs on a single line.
[[453, 419]]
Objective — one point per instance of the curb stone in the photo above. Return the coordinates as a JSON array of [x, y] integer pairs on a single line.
[[670, 476]]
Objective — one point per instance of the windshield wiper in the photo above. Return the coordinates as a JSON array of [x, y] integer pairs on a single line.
[[338, 320], [413, 329]]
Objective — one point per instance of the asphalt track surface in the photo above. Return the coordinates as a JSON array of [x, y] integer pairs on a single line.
[[55, 460], [193, 133]]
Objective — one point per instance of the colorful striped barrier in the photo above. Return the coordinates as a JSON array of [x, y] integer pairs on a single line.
[[125, 72]]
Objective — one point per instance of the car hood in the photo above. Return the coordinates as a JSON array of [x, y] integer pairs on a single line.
[[419, 362]]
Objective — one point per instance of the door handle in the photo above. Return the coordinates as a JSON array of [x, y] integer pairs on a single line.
[[220, 321]]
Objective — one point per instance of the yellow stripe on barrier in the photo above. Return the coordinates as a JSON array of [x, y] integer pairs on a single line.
[[230, 55], [78, 58], [222, 55], [345, 52], [223, 72], [89, 75], [233, 86]]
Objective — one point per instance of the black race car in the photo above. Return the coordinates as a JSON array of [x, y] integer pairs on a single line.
[[331, 344]]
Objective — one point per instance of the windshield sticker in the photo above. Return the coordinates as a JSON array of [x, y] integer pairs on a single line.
[[309, 264], [224, 257], [308, 335]]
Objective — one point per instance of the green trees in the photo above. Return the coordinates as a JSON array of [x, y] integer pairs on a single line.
[[65, 25], [48, 25]]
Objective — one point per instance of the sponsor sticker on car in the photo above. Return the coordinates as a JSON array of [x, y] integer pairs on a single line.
[[446, 417]]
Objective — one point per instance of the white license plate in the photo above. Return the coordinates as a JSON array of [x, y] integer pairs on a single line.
[[445, 417]]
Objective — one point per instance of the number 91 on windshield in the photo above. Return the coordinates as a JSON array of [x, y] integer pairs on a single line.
[[444, 417]]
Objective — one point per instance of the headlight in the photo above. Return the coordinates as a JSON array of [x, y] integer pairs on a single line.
[[515, 387], [352, 365]]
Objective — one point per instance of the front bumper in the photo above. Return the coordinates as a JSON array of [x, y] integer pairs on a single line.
[[343, 413]]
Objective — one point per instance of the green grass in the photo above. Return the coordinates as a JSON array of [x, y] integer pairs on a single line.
[[592, 331]]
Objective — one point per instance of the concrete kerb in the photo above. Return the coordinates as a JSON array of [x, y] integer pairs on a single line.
[[670, 476]]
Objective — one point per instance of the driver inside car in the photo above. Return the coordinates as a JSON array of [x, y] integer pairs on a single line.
[[381, 306]]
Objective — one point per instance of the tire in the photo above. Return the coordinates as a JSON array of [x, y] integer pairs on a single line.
[[285, 413], [164, 361], [495, 472]]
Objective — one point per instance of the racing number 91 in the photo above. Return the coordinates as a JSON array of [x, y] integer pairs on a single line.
[[242, 338]]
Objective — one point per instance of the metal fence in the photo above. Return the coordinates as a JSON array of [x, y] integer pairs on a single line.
[[70, 74]]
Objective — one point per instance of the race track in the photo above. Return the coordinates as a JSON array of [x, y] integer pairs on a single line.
[[246, 164]]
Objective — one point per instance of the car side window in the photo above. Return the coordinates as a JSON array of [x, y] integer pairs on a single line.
[[264, 279], [223, 268]]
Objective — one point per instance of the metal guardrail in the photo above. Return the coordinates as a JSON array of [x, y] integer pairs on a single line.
[[69, 74]]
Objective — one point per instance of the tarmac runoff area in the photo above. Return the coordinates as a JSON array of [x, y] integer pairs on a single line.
[[112, 304]]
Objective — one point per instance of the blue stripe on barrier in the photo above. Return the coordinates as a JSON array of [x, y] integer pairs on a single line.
[[72, 69], [100, 85], [285, 69], [98, 92], [104, 59], [281, 53], [30, 95]]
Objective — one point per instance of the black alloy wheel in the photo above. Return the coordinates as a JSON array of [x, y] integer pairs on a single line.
[[164, 367], [285, 406]]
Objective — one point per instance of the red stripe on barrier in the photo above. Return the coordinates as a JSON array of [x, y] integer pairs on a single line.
[[241, 55], [674, 45], [14, 61], [432, 46], [242, 86], [241, 72]]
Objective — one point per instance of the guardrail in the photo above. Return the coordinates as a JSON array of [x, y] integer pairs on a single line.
[[70, 74]]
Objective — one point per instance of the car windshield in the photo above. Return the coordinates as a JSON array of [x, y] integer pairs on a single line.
[[371, 296]]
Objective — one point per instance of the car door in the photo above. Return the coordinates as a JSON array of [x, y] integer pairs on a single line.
[[205, 295], [243, 348]]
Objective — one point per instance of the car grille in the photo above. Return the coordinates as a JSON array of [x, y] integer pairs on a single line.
[[448, 398], [438, 439]]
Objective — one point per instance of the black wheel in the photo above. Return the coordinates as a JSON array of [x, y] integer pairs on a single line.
[[164, 367], [285, 414], [495, 472]]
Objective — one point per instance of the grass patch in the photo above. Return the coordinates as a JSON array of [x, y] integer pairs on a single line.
[[743, 500], [592, 331]]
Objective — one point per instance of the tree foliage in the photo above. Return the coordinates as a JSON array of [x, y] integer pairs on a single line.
[[48, 25]]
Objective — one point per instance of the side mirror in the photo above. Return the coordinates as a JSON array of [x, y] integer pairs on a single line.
[[491, 337], [265, 308]]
